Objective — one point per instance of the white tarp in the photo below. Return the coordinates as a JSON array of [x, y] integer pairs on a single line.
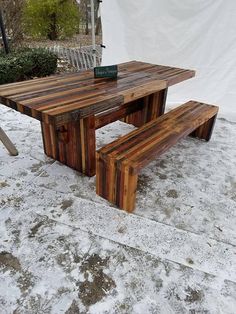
[[193, 34]]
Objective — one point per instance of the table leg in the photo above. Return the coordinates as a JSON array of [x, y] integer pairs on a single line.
[[73, 144], [153, 107]]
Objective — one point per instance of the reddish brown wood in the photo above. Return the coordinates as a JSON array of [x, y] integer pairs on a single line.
[[205, 131], [66, 105], [152, 106], [115, 114], [73, 144], [70, 97], [119, 163]]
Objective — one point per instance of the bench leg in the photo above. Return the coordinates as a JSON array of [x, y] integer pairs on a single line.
[[73, 144], [118, 186], [152, 106], [205, 130], [126, 189]]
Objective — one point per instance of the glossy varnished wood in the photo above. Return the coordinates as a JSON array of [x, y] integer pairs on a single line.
[[151, 107], [70, 97], [71, 106], [119, 163], [73, 144]]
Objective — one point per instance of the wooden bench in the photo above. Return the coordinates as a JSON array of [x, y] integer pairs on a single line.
[[119, 163]]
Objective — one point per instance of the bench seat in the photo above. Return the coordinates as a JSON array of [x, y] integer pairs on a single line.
[[119, 163]]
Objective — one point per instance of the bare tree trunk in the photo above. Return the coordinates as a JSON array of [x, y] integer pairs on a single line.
[[53, 35], [86, 17], [4, 37], [12, 13]]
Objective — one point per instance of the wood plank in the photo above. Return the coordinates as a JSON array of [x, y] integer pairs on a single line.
[[98, 105], [128, 94], [124, 158], [158, 143], [114, 114], [137, 92], [75, 147], [45, 98], [153, 107], [68, 87], [164, 137], [142, 132]]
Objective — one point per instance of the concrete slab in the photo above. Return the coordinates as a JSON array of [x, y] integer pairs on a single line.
[[63, 249]]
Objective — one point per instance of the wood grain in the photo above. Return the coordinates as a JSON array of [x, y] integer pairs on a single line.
[[151, 107], [71, 106], [119, 163], [73, 144], [64, 98]]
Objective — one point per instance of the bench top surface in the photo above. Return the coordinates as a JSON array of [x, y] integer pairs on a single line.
[[62, 98], [141, 146]]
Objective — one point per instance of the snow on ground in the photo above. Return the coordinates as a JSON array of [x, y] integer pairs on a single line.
[[63, 249]]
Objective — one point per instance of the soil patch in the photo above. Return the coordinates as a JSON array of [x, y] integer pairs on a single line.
[[93, 289], [172, 194], [9, 262], [66, 204], [193, 295]]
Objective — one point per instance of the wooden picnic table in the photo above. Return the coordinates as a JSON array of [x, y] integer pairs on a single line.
[[72, 106]]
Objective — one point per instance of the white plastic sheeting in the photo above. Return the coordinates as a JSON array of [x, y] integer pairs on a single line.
[[194, 34]]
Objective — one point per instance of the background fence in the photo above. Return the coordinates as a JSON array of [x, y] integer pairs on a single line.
[[80, 58]]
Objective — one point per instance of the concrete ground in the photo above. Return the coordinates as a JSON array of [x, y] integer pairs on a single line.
[[63, 249]]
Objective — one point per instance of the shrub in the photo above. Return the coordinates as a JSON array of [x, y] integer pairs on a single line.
[[51, 19], [9, 71], [25, 64]]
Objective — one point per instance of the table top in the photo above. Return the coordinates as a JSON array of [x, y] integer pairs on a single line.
[[68, 97]]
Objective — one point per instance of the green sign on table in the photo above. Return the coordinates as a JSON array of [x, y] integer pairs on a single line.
[[110, 71]]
